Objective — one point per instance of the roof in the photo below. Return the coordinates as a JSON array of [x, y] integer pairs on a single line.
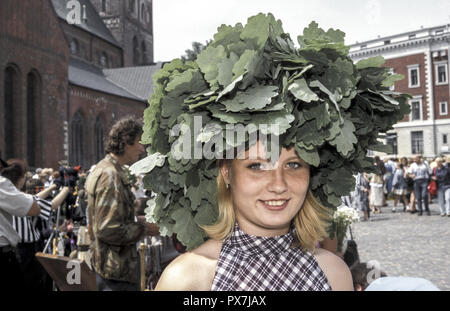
[[92, 77], [136, 80], [422, 31], [93, 22]]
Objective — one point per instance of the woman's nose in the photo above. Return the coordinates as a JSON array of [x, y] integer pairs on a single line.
[[277, 182]]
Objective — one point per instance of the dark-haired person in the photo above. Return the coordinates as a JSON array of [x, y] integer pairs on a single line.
[[31, 240], [420, 172], [112, 225], [12, 203], [363, 274]]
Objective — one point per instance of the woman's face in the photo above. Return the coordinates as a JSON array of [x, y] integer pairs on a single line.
[[266, 195]]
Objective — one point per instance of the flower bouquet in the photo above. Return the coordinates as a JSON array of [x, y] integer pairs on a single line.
[[343, 217]]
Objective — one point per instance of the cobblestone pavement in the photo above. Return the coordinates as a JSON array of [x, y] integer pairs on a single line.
[[407, 245]]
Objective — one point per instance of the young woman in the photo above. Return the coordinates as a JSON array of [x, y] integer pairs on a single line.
[[263, 217], [400, 187], [409, 185], [362, 195], [441, 175], [269, 222]]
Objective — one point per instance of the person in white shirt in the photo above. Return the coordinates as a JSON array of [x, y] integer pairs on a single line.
[[421, 172], [12, 202]]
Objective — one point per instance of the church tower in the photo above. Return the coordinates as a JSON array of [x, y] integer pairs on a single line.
[[131, 23]]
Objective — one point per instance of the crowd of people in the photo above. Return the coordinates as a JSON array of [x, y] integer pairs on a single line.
[[412, 182], [46, 211]]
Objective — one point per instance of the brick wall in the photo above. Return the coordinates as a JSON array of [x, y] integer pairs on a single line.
[[400, 66], [90, 46], [92, 104], [27, 46], [441, 92], [128, 25]]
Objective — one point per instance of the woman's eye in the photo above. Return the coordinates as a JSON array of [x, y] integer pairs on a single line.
[[260, 166], [255, 166], [294, 165]]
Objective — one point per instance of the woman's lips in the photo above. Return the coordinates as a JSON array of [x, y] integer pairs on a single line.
[[275, 205]]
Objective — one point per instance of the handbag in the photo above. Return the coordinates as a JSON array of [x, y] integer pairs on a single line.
[[432, 187]]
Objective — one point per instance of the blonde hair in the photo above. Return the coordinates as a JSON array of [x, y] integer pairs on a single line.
[[311, 221]]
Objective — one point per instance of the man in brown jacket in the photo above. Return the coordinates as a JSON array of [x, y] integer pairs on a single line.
[[113, 228]]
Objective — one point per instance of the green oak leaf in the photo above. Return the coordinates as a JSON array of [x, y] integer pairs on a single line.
[[299, 88], [207, 215], [148, 164], [345, 140], [186, 229], [254, 98], [377, 61], [226, 66], [257, 28], [207, 61], [309, 156]]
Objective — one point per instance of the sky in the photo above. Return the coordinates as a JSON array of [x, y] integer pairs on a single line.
[[178, 23]]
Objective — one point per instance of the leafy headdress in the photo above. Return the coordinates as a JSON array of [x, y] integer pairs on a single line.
[[329, 108]]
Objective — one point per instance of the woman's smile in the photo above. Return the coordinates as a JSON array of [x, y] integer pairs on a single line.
[[275, 205]]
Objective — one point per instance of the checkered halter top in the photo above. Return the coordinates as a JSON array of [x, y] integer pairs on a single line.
[[251, 263]]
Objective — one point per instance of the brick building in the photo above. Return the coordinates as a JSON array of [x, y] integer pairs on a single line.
[[131, 23], [57, 102], [422, 57]]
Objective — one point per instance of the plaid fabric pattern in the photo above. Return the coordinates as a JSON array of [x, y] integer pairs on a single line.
[[251, 263]]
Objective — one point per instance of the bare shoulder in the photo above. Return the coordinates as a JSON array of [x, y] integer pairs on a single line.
[[192, 271], [335, 269]]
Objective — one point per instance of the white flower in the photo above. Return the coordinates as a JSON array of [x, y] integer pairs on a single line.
[[346, 215]]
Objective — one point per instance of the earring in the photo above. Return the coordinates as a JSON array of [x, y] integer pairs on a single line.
[[228, 186]]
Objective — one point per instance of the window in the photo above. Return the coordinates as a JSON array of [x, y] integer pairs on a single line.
[[414, 79], [444, 139], [74, 46], [417, 142], [98, 140], [33, 97], [142, 12], [441, 73], [439, 31], [77, 139], [136, 56], [11, 87], [391, 73], [443, 108], [416, 110], [144, 53], [103, 5], [412, 37], [103, 60], [132, 6], [387, 42]]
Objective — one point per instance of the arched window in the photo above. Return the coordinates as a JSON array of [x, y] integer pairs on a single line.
[[144, 53], [77, 139], [74, 47], [142, 12], [104, 62], [150, 13], [99, 148], [33, 112], [132, 5], [10, 122], [103, 5], [136, 56]]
